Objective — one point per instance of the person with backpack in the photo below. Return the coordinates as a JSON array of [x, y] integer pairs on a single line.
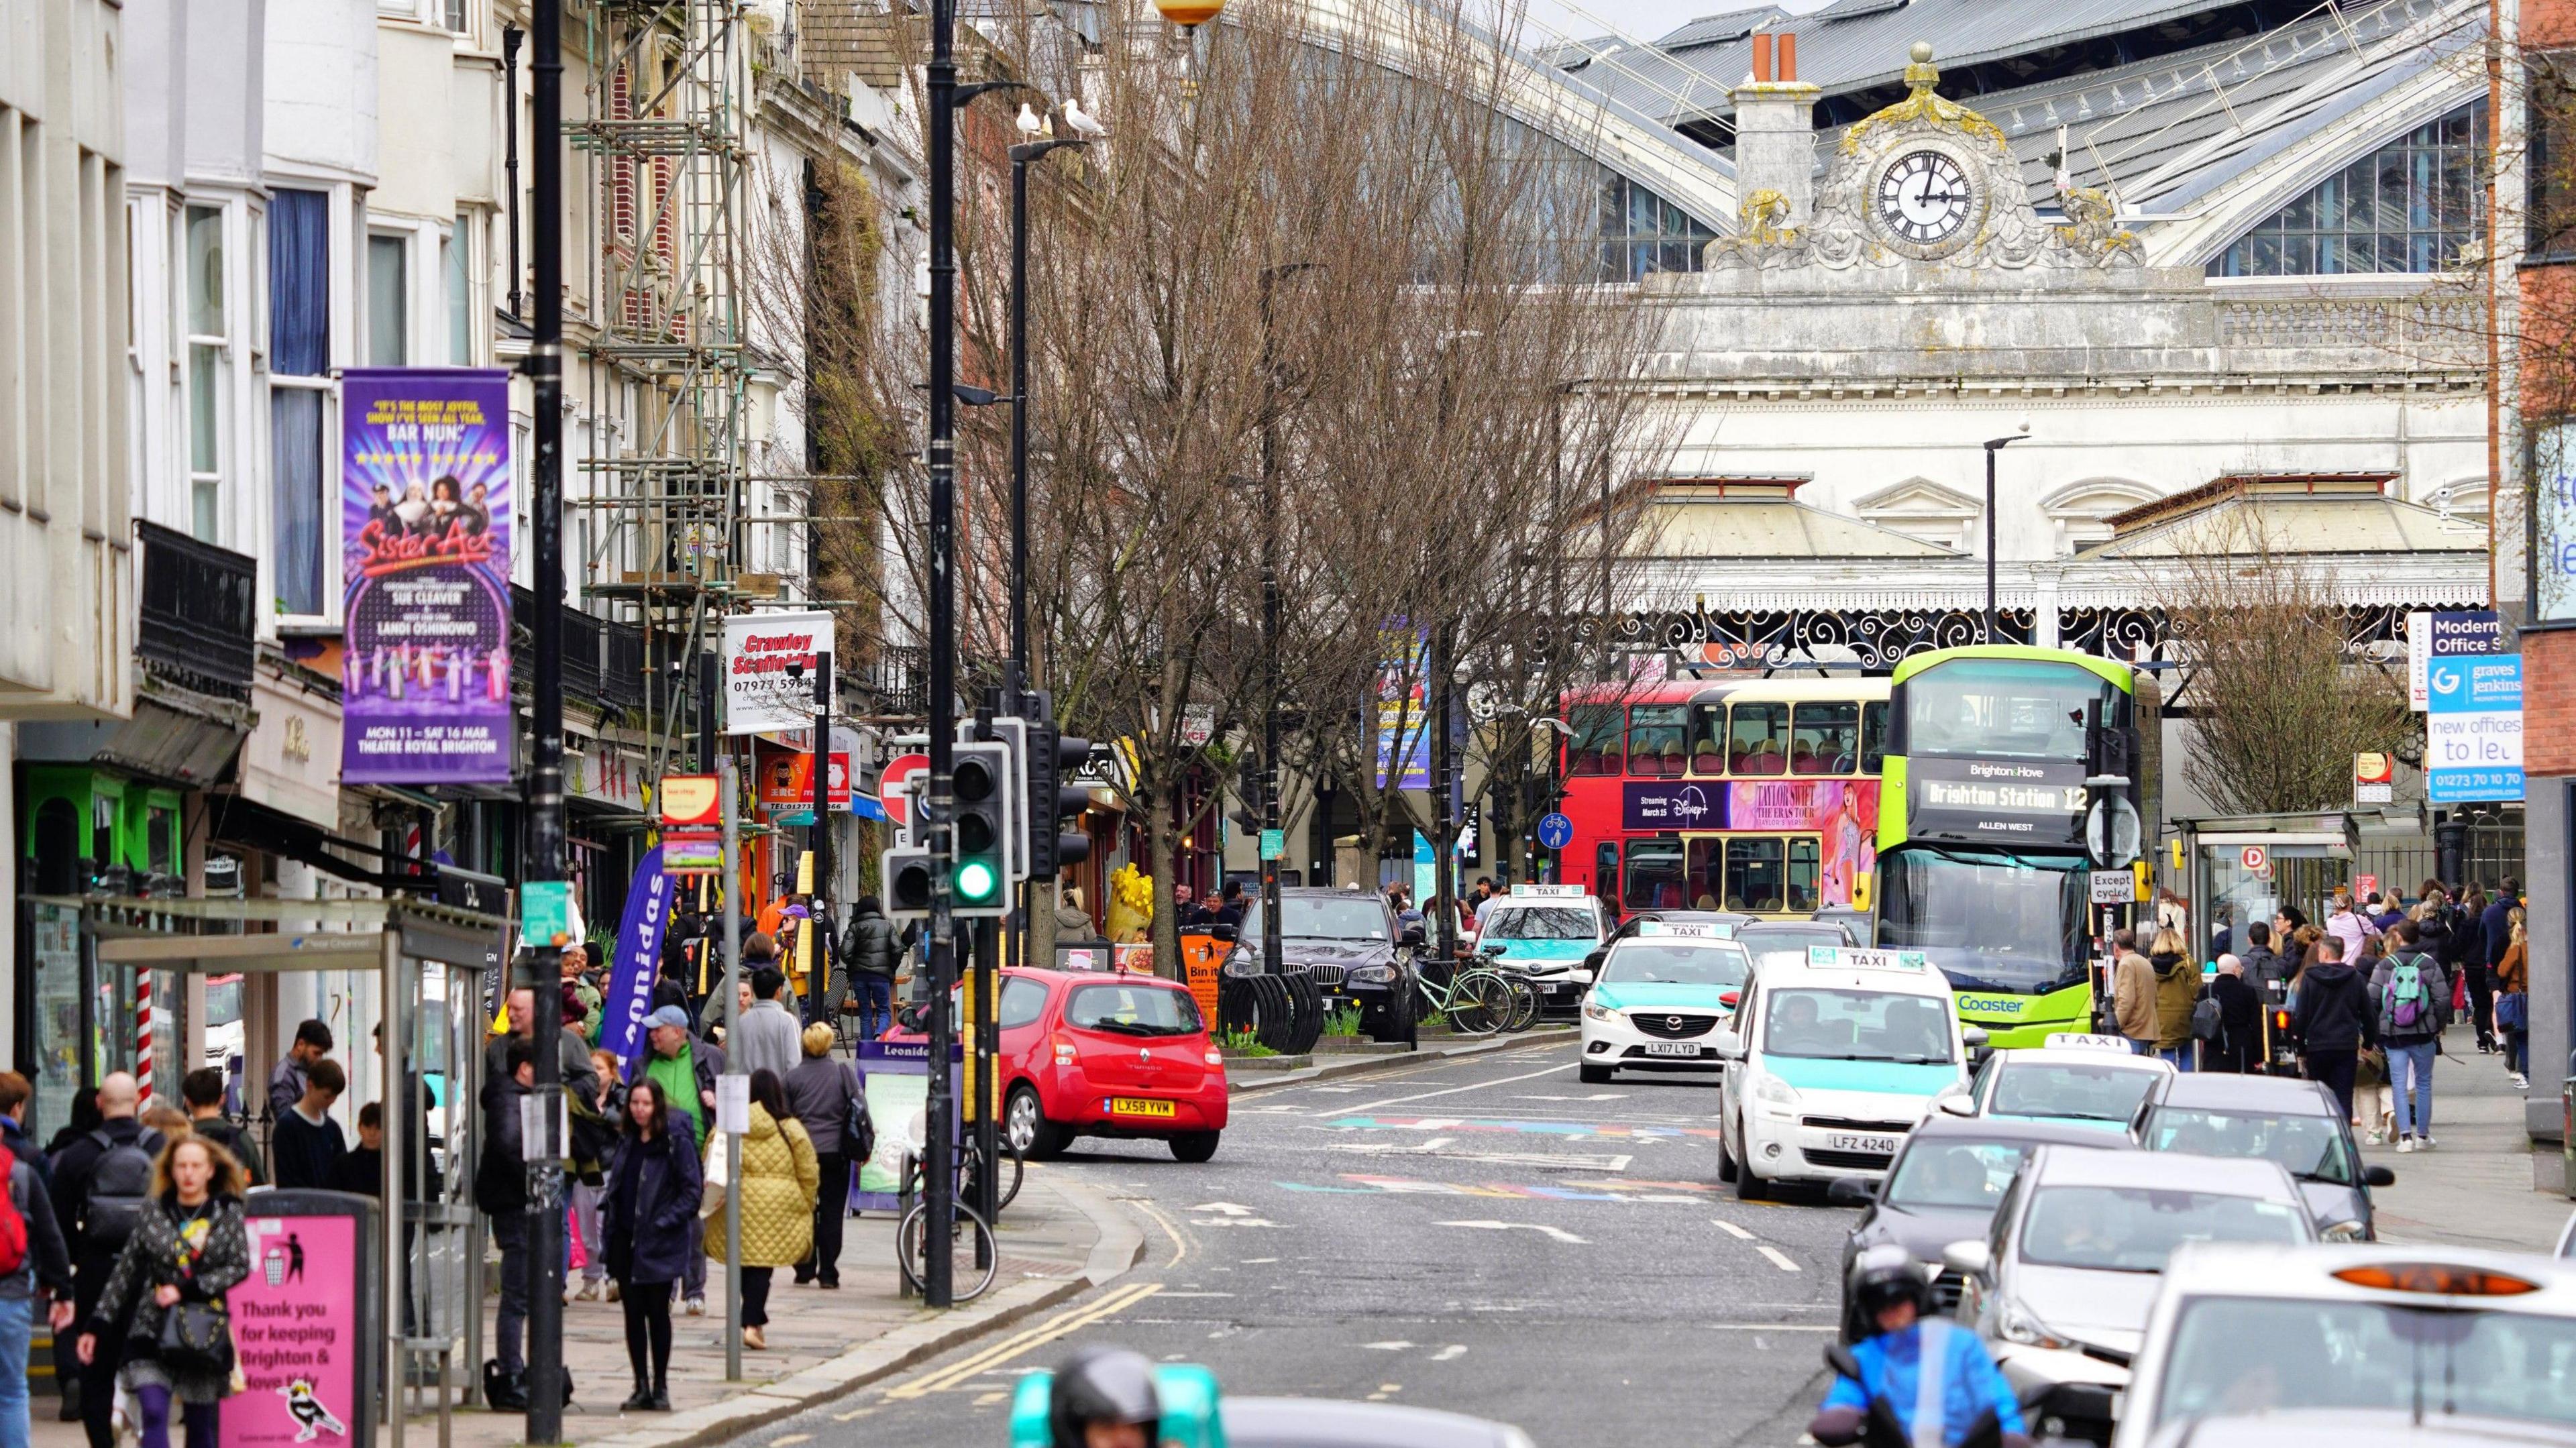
[[2411, 995], [102, 1181], [870, 952], [203, 1090], [34, 1267], [825, 1094]]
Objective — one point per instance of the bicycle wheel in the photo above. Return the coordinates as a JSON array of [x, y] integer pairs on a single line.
[[969, 1239], [1524, 1007], [1479, 1002], [1008, 1175]]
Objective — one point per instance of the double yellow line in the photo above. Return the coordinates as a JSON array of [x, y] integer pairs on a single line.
[[957, 1375]]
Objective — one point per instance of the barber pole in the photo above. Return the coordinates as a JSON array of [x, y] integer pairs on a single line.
[[143, 1035]]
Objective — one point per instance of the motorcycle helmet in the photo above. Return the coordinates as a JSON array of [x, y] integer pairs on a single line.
[[1103, 1385], [1883, 1277]]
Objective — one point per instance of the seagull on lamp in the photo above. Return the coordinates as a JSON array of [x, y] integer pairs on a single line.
[[1081, 121], [1030, 126]]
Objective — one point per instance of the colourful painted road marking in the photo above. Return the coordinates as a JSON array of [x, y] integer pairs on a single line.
[[1366, 1184]]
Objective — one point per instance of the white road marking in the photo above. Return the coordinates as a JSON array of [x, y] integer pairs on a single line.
[[1223, 1209], [1336, 1090], [1764, 1327], [1454, 1090], [1557, 1233], [1451, 1353], [1778, 1258], [1259, 1261], [1732, 1230], [1232, 1222], [1595, 1096], [1398, 1345]]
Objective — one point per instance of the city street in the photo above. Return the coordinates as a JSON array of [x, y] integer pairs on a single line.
[[1486, 1236]]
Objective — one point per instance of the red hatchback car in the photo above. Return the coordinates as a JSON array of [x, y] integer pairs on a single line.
[[1086, 1053]]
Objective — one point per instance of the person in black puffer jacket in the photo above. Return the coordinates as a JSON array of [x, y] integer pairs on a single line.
[[870, 952], [2333, 1020]]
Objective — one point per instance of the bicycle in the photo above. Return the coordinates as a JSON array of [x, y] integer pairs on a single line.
[[965, 1249], [970, 1160], [1478, 1000]]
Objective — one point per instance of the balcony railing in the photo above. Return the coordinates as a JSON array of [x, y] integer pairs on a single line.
[[200, 618]]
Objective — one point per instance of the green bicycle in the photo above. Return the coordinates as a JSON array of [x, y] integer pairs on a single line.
[[1480, 1000]]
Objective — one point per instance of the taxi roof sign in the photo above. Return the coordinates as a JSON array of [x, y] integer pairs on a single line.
[[1678, 930], [1549, 892], [2082, 1041], [1856, 957]]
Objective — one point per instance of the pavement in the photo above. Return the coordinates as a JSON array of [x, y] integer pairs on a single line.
[[2474, 1189]]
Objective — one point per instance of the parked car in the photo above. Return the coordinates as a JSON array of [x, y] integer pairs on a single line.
[[1092, 1053], [1546, 934], [2061, 1284], [1351, 945], [2091, 1081], [2296, 1123], [1763, 937]]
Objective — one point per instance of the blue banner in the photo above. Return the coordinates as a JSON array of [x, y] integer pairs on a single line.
[[639, 958]]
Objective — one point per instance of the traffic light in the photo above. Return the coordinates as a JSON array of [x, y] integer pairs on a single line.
[[905, 870], [1012, 733], [1246, 813], [980, 880], [1051, 800]]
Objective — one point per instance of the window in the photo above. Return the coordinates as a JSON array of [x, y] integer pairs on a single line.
[[1804, 857], [1654, 875], [1824, 739], [2238, 1356], [2551, 123], [1023, 1001], [208, 362], [2410, 206], [388, 293], [1708, 738], [1757, 739], [1641, 232], [1655, 739], [1597, 746], [299, 345], [1605, 869], [1753, 874], [1133, 1010], [2006, 709], [1707, 874], [1873, 737]]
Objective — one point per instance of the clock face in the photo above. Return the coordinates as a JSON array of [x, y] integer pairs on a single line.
[[1924, 197]]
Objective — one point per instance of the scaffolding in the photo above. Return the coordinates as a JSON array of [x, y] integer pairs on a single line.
[[666, 151]]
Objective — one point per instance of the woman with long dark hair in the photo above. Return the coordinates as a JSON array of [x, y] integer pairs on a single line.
[[188, 1250], [648, 1217], [780, 1178]]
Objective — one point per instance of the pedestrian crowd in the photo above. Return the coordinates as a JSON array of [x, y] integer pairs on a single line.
[[2360, 999]]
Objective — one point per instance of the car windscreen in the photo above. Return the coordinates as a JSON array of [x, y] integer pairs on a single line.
[[1955, 1175], [2310, 1146], [2238, 1356], [1358, 917], [1134, 1010], [2087, 1092], [1790, 937], [1648, 962], [1850, 1025], [2134, 1229], [1541, 922]]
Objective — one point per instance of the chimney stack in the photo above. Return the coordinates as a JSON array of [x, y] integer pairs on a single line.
[[1775, 135]]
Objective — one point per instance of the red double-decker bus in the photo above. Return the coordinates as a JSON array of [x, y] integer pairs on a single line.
[[1759, 796]]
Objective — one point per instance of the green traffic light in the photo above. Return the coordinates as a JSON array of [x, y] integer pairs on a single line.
[[975, 880]]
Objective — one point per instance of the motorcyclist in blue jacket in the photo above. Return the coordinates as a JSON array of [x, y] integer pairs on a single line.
[[1915, 1365]]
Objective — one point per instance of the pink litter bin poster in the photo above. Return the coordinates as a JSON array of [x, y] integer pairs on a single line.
[[296, 1329]]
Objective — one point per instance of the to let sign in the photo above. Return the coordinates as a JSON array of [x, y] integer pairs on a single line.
[[2473, 730]]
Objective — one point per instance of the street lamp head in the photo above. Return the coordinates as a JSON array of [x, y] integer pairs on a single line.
[[1189, 14], [2020, 434]]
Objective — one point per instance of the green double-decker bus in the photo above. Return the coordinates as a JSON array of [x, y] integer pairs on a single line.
[[1981, 827]]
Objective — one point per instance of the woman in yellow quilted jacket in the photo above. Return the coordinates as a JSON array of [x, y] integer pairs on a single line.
[[780, 1176]]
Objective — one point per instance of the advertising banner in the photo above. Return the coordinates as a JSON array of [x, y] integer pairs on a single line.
[[425, 547], [300, 1329], [2553, 508], [2473, 732], [1403, 707], [2005, 801], [760, 696], [639, 958]]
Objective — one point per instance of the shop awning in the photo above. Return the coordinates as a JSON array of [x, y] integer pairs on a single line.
[[233, 820]]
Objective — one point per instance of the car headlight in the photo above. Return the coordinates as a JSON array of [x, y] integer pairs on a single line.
[[1372, 974], [2014, 1323], [1608, 1014], [1775, 1091], [2345, 1232]]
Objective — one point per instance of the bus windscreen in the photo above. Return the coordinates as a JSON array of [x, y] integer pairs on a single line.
[[1990, 919], [2004, 709]]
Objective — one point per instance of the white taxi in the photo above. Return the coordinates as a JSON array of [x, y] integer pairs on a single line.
[[1830, 1059], [1544, 932], [1660, 999], [2078, 1080]]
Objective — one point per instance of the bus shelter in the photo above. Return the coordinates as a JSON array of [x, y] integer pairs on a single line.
[[2245, 868], [427, 959]]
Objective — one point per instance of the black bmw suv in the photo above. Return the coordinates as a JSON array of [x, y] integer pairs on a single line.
[[1350, 944]]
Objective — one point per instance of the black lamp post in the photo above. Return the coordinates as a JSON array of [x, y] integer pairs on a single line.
[[1271, 822], [1994, 446]]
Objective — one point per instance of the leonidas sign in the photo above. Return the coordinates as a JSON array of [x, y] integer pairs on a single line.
[[761, 696]]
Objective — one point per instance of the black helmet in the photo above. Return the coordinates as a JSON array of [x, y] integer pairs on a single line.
[[1103, 1385], [1883, 1277]]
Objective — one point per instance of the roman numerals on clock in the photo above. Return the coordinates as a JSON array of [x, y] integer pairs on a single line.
[[1924, 197]]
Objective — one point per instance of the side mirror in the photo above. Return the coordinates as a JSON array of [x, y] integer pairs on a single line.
[[1593, 961], [1850, 1191], [1957, 1104], [2378, 1176], [1968, 1258], [1495, 949], [1973, 1037]]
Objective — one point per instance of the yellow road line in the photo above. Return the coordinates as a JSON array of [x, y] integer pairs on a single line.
[[1180, 1244], [1063, 1324]]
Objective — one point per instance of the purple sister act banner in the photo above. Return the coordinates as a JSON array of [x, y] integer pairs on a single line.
[[425, 535]]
